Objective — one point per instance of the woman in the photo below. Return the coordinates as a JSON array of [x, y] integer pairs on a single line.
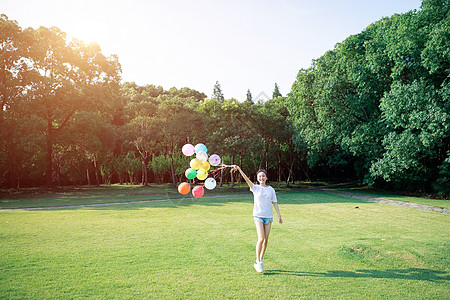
[[264, 197]]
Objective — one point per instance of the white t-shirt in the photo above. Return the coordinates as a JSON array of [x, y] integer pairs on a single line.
[[263, 198]]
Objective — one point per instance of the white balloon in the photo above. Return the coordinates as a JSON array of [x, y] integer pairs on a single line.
[[210, 183], [202, 155]]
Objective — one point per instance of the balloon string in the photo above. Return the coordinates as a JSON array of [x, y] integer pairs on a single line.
[[228, 166], [214, 174]]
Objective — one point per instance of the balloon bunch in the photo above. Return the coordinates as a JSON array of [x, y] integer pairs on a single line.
[[199, 167]]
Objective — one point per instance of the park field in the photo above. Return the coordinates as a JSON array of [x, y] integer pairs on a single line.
[[162, 245]]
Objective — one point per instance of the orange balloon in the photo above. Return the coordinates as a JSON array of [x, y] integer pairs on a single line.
[[184, 188]]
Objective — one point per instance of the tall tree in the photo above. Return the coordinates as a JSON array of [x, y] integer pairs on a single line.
[[68, 78], [217, 93], [140, 129], [276, 92], [177, 122], [249, 98], [13, 69]]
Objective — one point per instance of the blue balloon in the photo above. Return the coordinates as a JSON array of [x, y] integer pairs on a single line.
[[200, 147]]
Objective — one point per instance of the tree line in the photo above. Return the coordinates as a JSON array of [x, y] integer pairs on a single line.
[[379, 102], [375, 108], [67, 119]]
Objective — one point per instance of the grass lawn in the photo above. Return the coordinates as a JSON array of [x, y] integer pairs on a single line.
[[441, 203], [204, 248]]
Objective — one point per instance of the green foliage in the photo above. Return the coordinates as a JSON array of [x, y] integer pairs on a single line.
[[217, 92], [249, 97], [160, 165], [442, 184], [107, 170], [418, 123], [132, 165], [375, 107], [276, 92], [379, 101]]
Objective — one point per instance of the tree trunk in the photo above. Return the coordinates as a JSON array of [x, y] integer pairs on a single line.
[[221, 177], [231, 173], [290, 173], [264, 157], [96, 172], [172, 169], [306, 173], [239, 177], [279, 167], [49, 154], [144, 172], [88, 177]]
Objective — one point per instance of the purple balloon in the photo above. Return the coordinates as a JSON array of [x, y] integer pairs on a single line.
[[214, 160]]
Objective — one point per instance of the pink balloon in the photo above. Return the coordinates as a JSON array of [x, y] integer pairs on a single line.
[[198, 191], [188, 149]]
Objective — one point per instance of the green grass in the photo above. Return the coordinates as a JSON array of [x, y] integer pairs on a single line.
[[441, 203], [204, 248], [82, 195]]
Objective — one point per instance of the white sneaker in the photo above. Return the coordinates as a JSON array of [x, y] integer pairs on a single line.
[[258, 266]]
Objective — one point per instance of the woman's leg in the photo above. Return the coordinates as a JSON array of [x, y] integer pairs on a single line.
[[266, 239], [261, 235], [263, 231]]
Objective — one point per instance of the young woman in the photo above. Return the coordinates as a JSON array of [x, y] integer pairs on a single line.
[[264, 197]]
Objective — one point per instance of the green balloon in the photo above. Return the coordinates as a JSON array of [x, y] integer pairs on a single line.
[[190, 173]]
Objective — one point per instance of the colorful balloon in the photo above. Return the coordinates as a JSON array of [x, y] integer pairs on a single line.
[[202, 174], [190, 173], [188, 149], [198, 191], [210, 183], [196, 163], [206, 166], [200, 147], [202, 155], [184, 188], [214, 160]]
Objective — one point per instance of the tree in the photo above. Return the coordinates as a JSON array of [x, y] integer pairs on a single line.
[[249, 98], [14, 50], [217, 93], [371, 102], [418, 135], [67, 79], [177, 124], [276, 92], [140, 129], [14, 45]]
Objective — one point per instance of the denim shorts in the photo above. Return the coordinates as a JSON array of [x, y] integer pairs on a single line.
[[264, 220]]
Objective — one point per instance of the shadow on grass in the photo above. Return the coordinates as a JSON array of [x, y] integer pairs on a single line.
[[408, 274]]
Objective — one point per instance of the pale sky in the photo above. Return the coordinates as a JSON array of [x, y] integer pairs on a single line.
[[243, 44]]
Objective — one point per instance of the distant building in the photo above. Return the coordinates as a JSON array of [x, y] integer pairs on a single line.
[[261, 98]]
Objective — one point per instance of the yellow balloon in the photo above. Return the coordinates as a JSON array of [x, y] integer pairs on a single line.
[[202, 174], [196, 163], [206, 166]]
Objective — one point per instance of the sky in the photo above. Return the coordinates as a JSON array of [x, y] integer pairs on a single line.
[[242, 44]]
